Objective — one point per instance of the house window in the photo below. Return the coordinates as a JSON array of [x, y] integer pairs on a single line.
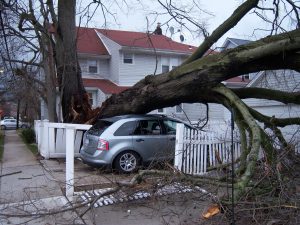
[[91, 101], [165, 68], [92, 66], [179, 108], [169, 63], [161, 111], [128, 58], [246, 77]]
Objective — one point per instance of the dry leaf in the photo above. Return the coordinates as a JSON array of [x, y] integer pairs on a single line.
[[213, 210]]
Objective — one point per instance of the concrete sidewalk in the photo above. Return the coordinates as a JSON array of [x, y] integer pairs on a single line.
[[30, 180], [32, 186], [26, 186]]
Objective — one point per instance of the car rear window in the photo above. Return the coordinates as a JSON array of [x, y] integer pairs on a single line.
[[99, 127]]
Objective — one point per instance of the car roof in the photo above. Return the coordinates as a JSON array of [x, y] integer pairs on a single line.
[[137, 116], [142, 116]]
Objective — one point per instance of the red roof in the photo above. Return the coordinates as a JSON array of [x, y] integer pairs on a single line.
[[237, 82], [104, 85], [89, 42], [144, 40]]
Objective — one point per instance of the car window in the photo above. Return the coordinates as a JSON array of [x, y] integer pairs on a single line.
[[99, 127], [148, 127], [126, 129], [170, 126]]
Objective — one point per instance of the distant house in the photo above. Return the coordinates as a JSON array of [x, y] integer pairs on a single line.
[[284, 80]]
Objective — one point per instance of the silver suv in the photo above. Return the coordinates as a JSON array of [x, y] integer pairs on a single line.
[[127, 142]]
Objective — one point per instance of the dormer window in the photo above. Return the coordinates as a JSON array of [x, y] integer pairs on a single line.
[[92, 66], [128, 58], [161, 111], [246, 77]]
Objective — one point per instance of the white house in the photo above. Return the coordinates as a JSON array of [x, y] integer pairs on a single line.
[[113, 60], [284, 80]]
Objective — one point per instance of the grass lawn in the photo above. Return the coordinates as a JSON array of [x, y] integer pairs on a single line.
[[1, 144]]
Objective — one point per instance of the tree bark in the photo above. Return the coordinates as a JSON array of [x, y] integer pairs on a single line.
[[74, 100]]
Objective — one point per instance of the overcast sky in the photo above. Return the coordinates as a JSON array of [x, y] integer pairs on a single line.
[[133, 17]]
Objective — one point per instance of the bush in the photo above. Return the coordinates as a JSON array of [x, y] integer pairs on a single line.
[[28, 135]]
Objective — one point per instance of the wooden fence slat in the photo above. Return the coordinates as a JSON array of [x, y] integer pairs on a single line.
[[197, 149]]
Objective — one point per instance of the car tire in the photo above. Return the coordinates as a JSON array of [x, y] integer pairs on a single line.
[[24, 126], [3, 127], [127, 162]]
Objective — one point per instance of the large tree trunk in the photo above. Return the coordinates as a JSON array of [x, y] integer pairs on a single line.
[[50, 77], [73, 95]]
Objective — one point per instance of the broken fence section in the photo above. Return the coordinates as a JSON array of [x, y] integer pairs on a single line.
[[197, 150]]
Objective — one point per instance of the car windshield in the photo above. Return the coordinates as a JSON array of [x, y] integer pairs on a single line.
[[99, 127]]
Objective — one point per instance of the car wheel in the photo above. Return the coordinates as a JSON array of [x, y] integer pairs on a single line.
[[3, 127], [23, 126], [127, 162]]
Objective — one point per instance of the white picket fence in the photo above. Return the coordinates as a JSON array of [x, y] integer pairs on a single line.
[[196, 150], [58, 140], [51, 138]]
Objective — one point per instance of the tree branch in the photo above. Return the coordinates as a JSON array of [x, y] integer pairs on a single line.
[[263, 93], [237, 15]]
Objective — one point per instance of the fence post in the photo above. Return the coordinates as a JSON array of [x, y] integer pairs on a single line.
[[70, 133], [179, 146], [44, 139]]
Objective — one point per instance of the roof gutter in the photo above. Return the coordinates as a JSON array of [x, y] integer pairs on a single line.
[[96, 56], [154, 51]]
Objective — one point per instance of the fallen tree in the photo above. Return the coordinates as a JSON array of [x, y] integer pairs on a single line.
[[199, 80]]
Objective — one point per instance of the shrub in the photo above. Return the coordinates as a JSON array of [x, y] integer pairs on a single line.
[[28, 135]]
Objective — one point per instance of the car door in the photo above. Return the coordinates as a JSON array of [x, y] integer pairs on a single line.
[[170, 133], [12, 123], [148, 140]]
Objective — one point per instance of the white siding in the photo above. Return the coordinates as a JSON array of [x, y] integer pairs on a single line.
[[113, 62], [103, 68], [101, 97], [142, 65], [278, 80]]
